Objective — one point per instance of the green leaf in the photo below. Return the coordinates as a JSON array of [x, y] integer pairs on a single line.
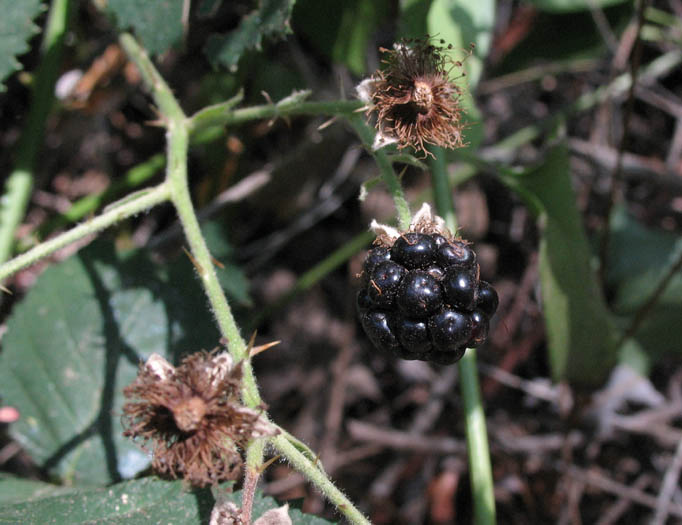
[[341, 30], [14, 489], [16, 29], [639, 257], [158, 23], [571, 6], [579, 39], [270, 20], [462, 23], [145, 501], [581, 332], [76, 340], [142, 501]]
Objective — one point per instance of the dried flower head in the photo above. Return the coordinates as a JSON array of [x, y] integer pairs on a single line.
[[192, 417], [415, 100]]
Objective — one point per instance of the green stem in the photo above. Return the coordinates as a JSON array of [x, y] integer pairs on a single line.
[[319, 479], [254, 461], [178, 142], [442, 193], [224, 115], [20, 181], [477, 437], [144, 201], [477, 441], [177, 148], [177, 139], [366, 134]]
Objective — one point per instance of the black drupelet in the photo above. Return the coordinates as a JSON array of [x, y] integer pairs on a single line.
[[422, 298]]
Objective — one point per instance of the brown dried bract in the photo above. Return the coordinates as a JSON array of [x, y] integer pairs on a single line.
[[191, 417], [415, 101]]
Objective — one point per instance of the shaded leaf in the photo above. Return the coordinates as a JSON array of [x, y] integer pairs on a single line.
[[580, 330], [157, 24], [76, 340], [341, 30], [145, 501], [639, 257], [580, 39], [14, 489], [270, 20], [16, 29]]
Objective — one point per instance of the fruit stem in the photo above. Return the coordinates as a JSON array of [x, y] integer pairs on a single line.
[[477, 436], [389, 177], [442, 193]]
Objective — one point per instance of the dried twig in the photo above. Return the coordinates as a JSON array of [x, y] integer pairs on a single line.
[[668, 488]]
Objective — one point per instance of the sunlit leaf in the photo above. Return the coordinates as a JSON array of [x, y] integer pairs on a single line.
[[76, 340]]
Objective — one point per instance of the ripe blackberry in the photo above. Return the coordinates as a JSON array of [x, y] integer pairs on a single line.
[[487, 300], [479, 329], [414, 250], [375, 324], [460, 287], [421, 296], [384, 282]]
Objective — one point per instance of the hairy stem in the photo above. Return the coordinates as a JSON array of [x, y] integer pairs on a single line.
[[319, 479], [389, 177], [20, 180], [254, 460], [224, 115], [477, 436], [442, 193], [177, 147], [145, 200]]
